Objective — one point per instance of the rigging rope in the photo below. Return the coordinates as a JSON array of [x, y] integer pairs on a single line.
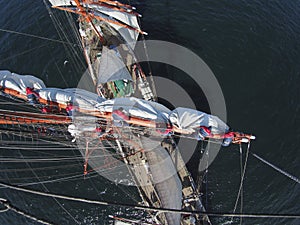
[[242, 179], [277, 168], [23, 53], [8, 206], [47, 190], [36, 36], [148, 63], [162, 210], [243, 171], [77, 61]]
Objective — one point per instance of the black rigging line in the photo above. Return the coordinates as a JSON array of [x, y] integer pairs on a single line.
[[36, 36], [162, 210], [297, 180]]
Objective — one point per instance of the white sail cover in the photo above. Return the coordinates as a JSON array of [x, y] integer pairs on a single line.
[[130, 36], [111, 67], [19, 82], [79, 97], [184, 118], [121, 223], [189, 120], [137, 108]]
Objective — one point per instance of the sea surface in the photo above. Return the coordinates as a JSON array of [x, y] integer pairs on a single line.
[[253, 49]]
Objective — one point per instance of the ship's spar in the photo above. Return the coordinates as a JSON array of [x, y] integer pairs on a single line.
[[104, 24], [130, 139], [22, 123], [127, 131]]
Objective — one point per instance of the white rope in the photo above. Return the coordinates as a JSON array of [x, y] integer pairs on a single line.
[[242, 182], [8, 206], [239, 195]]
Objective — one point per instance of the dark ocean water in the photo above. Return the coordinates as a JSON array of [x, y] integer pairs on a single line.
[[253, 49]]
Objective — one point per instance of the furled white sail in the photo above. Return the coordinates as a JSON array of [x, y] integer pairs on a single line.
[[19, 82], [183, 118], [81, 98], [135, 107], [62, 3], [111, 67], [129, 35], [190, 120]]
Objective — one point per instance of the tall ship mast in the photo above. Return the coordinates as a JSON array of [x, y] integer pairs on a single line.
[[136, 135], [109, 31]]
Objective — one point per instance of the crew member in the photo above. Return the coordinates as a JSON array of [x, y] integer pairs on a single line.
[[46, 110], [228, 138], [204, 132], [120, 117], [32, 96], [70, 109]]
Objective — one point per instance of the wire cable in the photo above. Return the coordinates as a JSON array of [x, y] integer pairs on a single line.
[[297, 180], [162, 210], [8, 206], [55, 199], [36, 36]]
